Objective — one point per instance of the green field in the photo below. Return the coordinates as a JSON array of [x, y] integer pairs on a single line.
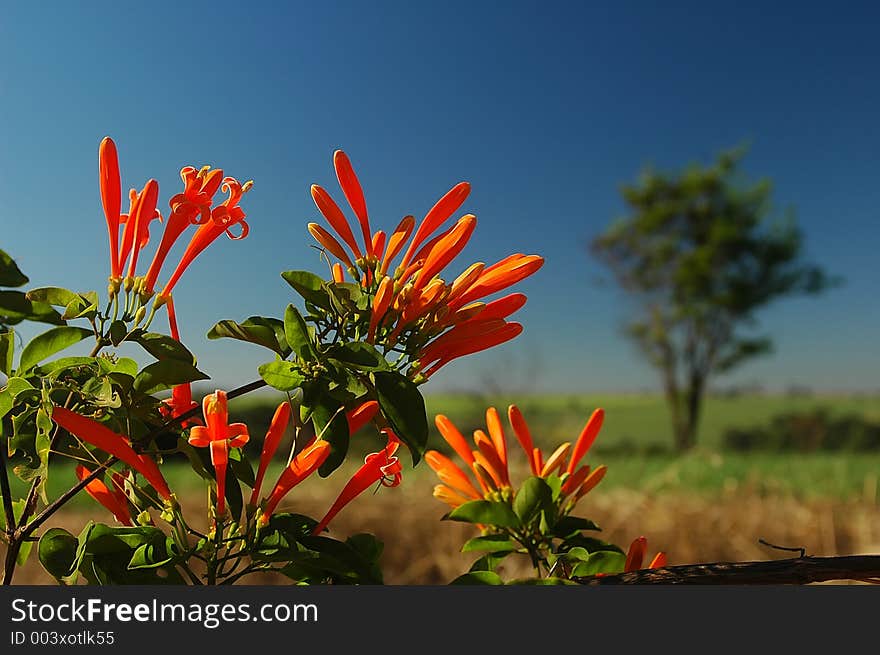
[[642, 421], [634, 443]]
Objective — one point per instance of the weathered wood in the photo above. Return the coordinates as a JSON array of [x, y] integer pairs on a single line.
[[799, 570]]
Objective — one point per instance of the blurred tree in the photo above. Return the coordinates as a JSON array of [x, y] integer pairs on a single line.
[[700, 255]]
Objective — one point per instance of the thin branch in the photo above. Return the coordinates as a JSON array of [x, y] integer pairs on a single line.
[[800, 570], [235, 393], [6, 490], [54, 506]]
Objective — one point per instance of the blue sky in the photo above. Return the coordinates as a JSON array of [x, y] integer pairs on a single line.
[[545, 108]]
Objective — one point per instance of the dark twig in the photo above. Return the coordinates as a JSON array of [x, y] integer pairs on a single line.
[[800, 570], [801, 550]]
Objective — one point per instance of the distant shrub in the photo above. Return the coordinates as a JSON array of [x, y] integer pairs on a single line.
[[809, 431]]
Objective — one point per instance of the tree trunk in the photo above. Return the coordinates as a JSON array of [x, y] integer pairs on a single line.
[[673, 401], [687, 438]]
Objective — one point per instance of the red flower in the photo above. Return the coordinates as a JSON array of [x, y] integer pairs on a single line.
[[223, 218], [114, 500], [270, 445], [219, 435], [302, 466], [636, 554], [378, 467], [113, 443], [192, 207], [181, 400]]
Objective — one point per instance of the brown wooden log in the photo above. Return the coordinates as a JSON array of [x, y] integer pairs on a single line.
[[799, 570]]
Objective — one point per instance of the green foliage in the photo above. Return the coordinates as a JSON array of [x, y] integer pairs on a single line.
[[404, 407], [811, 431]]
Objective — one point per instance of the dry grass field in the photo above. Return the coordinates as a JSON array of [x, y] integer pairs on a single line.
[[422, 549]]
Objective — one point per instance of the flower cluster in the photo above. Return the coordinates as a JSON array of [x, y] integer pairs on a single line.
[[488, 462], [193, 206], [414, 310]]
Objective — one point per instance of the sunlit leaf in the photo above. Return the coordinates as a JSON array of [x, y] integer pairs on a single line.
[[50, 342]]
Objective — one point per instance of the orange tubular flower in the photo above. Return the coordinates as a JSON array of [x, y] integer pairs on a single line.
[[218, 435], [223, 218], [449, 496], [436, 216], [181, 400], [636, 555], [327, 240], [338, 273], [306, 462], [423, 307], [381, 303], [586, 439], [270, 444], [192, 207], [113, 443], [450, 474], [446, 249], [556, 461], [382, 467], [111, 199], [523, 435], [361, 415], [499, 276], [396, 242], [594, 478], [137, 227], [489, 462], [351, 187], [330, 210], [114, 500], [490, 339]]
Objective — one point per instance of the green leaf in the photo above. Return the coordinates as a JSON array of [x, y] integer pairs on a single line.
[[533, 497], [52, 296], [309, 286], [360, 355], [10, 275], [282, 375], [297, 334], [165, 374], [367, 545], [16, 307], [603, 561], [590, 544], [488, 562], [491, 542], [117, 332], [242, 468], [50, 342], [258, 330], [234, 499], [346, 297], [123, 366], [65, 363], [571, 524], [57, 552], [126, 555], [478, 578], [403, 406], [486, 512], [82, 305], [328, 417], [7, 350], [162, 346]]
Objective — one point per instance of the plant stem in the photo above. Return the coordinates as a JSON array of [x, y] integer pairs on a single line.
[[6, 491]]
